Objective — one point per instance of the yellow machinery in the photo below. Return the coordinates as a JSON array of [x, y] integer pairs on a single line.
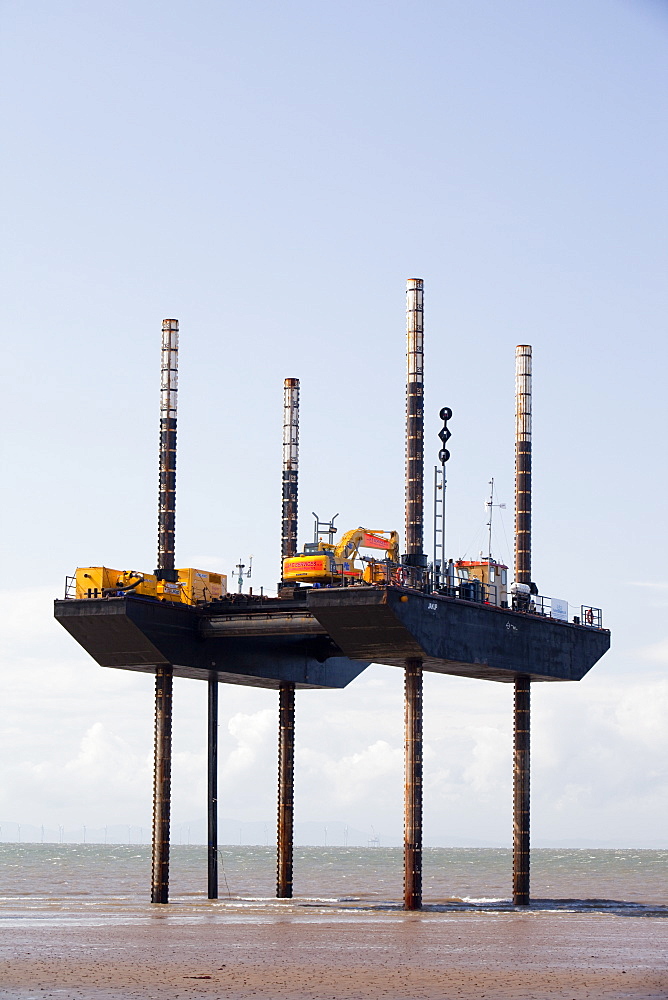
[[194, 586], [323, 562]]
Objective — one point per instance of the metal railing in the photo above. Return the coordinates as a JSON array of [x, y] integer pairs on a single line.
[[383, 573], [591, 617], [551, 607], [421, 578], [462, 588]]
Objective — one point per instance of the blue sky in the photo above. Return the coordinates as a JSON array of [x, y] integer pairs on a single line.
[[270, 175]]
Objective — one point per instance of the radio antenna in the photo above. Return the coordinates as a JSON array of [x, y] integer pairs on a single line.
[[240, 567], [491, 505]]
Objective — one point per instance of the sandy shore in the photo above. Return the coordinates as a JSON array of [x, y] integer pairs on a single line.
[[320, 956]]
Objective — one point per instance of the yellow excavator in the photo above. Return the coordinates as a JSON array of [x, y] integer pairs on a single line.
[[326, 563]]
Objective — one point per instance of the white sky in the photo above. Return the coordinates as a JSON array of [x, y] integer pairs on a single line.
[[270, 175]]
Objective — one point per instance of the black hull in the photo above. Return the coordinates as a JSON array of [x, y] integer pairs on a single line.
[[451, 636], [329, 637], [132, 633]]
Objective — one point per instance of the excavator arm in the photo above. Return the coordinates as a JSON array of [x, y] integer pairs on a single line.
[[363, 538], [329, 564]]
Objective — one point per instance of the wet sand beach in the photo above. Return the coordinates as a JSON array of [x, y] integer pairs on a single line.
[[343, 956], [75, 924]]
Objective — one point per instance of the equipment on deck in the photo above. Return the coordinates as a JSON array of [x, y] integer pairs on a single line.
[[192, 586], [479, 580], [327, 563]]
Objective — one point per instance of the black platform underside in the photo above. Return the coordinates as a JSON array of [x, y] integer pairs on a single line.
[[132, 633], [329, 636], [451, 636]]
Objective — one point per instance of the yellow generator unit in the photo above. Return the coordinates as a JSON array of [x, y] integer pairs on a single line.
[[194, 586], [200, 586], [99, 581]]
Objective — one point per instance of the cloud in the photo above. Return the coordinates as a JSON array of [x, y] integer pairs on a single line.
[[77, 745], [489, 757], [350, 778], [104, 769], [658, 593], [599, 759], [640, 714], [656, 653], [252, 734]]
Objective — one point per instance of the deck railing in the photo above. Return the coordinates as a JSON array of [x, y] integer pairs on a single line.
[[420, 578]]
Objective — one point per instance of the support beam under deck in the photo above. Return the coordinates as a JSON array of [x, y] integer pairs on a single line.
[[413, 785], [521, 775], [212, 797], [162, 781], [286, 768]]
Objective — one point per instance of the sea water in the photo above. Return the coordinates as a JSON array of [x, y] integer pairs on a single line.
[[95, 883]]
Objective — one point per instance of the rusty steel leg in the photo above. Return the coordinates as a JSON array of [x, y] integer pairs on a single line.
[[286, 769], [413, 786], [162, 778], [212, 798], [521, 775]]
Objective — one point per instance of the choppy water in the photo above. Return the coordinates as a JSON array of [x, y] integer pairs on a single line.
[[92, 883]]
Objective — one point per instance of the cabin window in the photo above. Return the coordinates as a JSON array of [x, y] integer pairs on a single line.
[[491, 574], [504, 577], [464, 572]]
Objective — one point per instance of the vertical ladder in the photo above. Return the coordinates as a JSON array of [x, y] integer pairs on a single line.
[[439, 525]]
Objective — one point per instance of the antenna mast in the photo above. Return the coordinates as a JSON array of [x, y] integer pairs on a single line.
[[240, 567], [491, 505]]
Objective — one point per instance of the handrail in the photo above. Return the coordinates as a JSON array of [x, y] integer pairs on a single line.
[[421, 578]]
